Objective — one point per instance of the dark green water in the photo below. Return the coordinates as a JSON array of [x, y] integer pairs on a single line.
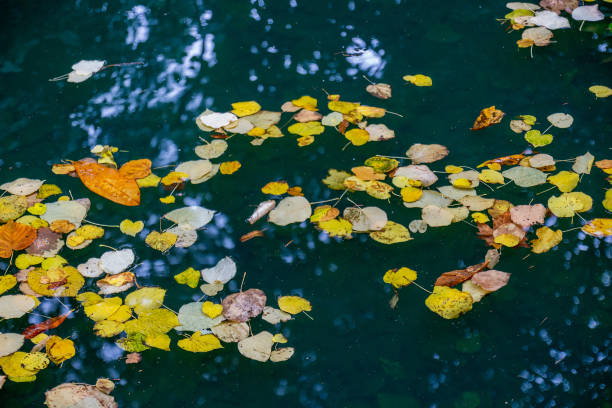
[[544, 340]]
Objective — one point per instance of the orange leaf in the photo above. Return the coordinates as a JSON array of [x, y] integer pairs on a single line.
[[251, 235], [488, 116], [109, 183], [35, 329], [506, 160], [15, 236], [136, 169]]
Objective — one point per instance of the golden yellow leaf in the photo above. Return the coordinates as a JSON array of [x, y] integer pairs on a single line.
[[342, 107], [294, 304], [382, 164], [275, 188], [453, 169], [24, 261], [104, 309], [90, 231], [324, 213], [487, 117], [245, 108], [491, 176], [62, 281], [161, 241], [400, 277], [53, 262], [174, 177], [547, 238], [508, 240], [371, 111], [211, 309], [462, 183], [59, 350], [418, 79], [256, 131], [411, 194], [151, 180], [306, 102], [597, 227], [200, 343], [449, 303], [537, 139], [33, 221], [7, 282], [37, 209], [11, 365], [568, 204], [337, 227], [305, 140], [480, 218], [565, 181], [600, 91], [144, 299], [88, 298], [12, 207], [129, 227], [229, 167], [168, 199], [335, 179], [47, 190], [306, 128], [279, 338], [378, 189], [108, 328], [152, 322], [357, 137], [392, 233], [122, 314], [607, 201], [189, 277]]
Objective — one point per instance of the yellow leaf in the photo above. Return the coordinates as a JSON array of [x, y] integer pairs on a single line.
[[378, 189], [565, 181], [59, 350], [152, 322], [462, 183], [607, 202], [508, 240], [335, 179], [161, 241], [11, 365], [256, 131], [122, 314], [537, 139], [145, 299], [189, 277], [279, 338], [480, 218], [104, 309], [211, 309], [129, 227], [491, 176], [88, 298], [306, 128], [108, 328], [324, 213], [32, 221], [38, 338], [90, 231], [418, 79], [371, 111], [342, 107], [35, 361], [168, 199], [160, 341], [494, 166], [392, 233], [133, 343], [305, 140], [245, 108], [70, 280], [294, 304], [599, 227], [229, 167], [547, 238], [74, 240], [53, 262], [275, 188], [151, 180], [528, 119], [295, 191], [411, 194], [600, 91], [382, 164], [174, 177], [453, 169], [357, 137], [24, 261], [7, 282], [400, 277], [337, 227], [200, 343], [306, 102], [37, 209], [567, 204], [47, 190], [448, 302]]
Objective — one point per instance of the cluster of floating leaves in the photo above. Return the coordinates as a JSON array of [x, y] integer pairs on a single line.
[[38, 222]]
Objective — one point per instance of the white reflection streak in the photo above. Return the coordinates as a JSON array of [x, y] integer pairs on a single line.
[[139, 31]]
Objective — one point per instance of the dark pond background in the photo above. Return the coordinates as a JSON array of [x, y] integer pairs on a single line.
[[544, 340]]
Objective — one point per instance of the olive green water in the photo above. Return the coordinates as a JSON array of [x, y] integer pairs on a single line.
[[543, 340]]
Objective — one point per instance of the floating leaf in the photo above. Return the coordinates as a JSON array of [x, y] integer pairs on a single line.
[[200, 343], [189, 277], [275, 316], [426, 153], [222, 272], [59, 350], [144, 299], [455, 277], [10, 343], [488, 116], [600, 91], [257, 347], [525, 176], [136, 169], [400, 277], [231, 332], [547, 239], [380, 90], [528, 215], [14, 237], [392, 233], [448, 302], [294, 304], [275, 188], [245, 108], [598, 227], [357, 137], [240, 307], [565, 181], [537, 139], [568, 204], [291, 210], [583, 164], [161, 241], [306, 102], [108, 183], [22, 186], [229, 167], [132, 228], [418, 79], [307, 128], [211, 309], [491, 280]]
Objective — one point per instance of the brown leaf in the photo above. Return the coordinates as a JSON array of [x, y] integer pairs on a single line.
[[342, 126], [455, 277], [307, 116], [511, 229], [604, 164], [14, 237], [251, 235], [240, 307], [133, 358], [108, 183], [382, 91], [491, 280], [47, 243], [136, 169], [485, 232], [528, 215], [558, 5]]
